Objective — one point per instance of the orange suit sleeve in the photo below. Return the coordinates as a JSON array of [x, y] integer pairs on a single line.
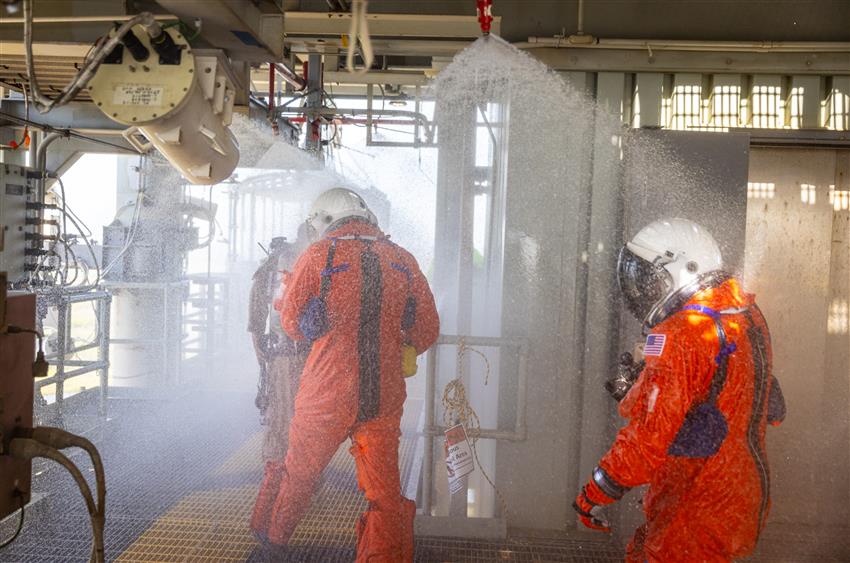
[[426, 329], [662, 401]]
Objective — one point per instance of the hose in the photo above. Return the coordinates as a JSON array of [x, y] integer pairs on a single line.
[[31, 447], [85, 74]]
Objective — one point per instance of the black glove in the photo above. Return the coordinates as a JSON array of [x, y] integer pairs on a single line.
[[628, 372]]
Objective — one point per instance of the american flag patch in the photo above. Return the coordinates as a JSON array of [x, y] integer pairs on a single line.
[[654, 344]]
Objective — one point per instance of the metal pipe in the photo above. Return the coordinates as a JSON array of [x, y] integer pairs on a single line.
[[289, 76], [271, 89], [93, 366], [580, 24], [104, 305], [420, 117], [83, 19], [41, 153], [428, 463], [671, 45], [64, 132]]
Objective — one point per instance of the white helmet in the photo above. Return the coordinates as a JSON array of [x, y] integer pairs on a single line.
[[335, 205], [664, 265]]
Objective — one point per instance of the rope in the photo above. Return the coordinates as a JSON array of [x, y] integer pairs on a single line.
[[457, 410]]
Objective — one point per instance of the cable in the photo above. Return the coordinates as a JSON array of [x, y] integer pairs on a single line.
[[29, 448], [8, 542], [90, 66], [130, 236], [73, 217]]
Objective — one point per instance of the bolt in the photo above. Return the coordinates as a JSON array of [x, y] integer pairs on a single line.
[[134, 119], [191, 70], [208, 70], [132, 68], [154, 115], [100, 104], [114, 115], [172, 104], [146, 68], [185, 89]]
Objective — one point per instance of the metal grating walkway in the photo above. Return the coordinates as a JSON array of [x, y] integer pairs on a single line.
[[182, 475]]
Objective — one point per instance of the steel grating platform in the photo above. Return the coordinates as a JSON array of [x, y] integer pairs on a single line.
[[182, 475]]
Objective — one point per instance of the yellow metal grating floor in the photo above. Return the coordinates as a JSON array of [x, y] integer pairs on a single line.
[[212, 525]]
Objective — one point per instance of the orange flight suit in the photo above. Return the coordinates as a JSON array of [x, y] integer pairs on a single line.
[[709, 484], [352, 384]]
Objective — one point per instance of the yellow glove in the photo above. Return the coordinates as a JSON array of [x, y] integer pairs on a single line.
[[408, 361]]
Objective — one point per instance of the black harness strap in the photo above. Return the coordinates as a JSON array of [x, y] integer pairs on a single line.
[[369, 334]]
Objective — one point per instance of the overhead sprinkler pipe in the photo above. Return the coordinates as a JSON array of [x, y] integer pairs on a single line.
[[580, 23], [674, 45], [485, 15]]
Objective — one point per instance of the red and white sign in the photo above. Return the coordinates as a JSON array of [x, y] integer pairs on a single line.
[[459, 459]]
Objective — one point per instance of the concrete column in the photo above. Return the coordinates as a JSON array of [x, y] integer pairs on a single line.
[[647, 100], [804, 101]]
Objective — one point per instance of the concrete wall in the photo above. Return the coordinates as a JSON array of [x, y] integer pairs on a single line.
[[797, 265]]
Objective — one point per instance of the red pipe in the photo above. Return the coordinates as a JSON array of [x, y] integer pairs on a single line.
[[485, 15], [360, 121]]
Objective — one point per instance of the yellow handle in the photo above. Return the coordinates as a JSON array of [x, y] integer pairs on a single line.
[[408, 361]]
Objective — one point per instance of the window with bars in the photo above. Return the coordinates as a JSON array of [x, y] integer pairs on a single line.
[[766, 107], [838, 110], [725, 106], [686, 107], [761, 190]]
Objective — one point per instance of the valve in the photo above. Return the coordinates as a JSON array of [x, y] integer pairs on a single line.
[[485, 15]]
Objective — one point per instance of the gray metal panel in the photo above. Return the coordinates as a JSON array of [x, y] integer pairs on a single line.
[[711, 172], [14, 191], [711, 186]]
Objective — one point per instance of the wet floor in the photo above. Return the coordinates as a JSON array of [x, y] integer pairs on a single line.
[[182, 473]]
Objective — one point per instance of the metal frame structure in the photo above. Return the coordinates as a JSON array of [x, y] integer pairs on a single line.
[[462, 525], [206, 326], [63, 302]]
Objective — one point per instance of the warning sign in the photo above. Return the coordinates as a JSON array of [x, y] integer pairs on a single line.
[[459, 460], [137, 95]]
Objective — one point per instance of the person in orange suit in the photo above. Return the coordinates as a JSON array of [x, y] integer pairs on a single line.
[[360, 299], [697, 413]]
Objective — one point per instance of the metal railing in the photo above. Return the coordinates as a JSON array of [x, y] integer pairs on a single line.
[[432, 429], [65, 348]]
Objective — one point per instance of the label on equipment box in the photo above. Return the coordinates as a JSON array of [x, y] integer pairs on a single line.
[[459, 460], [137, 95]]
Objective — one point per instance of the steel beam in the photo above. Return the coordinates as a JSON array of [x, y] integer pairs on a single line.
[[315, 24], [708, 62]]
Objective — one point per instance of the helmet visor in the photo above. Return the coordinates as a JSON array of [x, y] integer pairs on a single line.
[[642, 283]]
